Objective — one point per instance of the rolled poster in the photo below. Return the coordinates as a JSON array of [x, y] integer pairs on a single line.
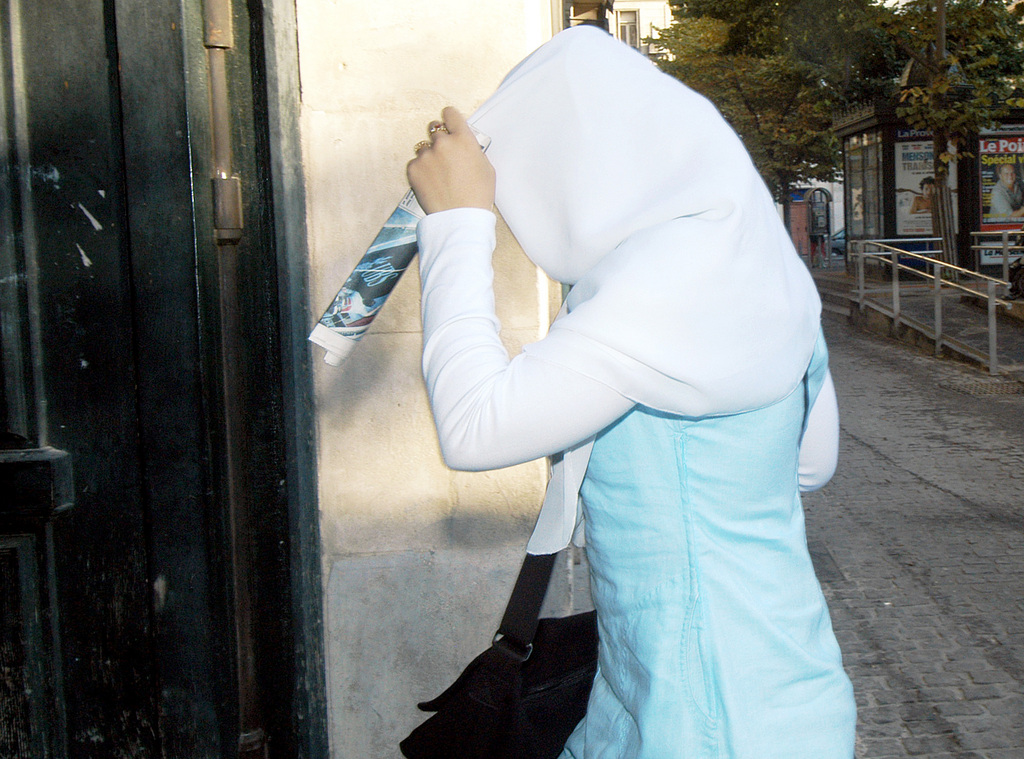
[[368, 286]]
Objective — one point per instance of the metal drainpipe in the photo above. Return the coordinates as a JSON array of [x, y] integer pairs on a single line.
[[228, 226]]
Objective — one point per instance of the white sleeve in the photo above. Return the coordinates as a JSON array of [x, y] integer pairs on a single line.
[[819, 446], [490, 411]]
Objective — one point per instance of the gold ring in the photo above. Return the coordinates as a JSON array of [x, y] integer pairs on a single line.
[[437, 126], [420, 145]]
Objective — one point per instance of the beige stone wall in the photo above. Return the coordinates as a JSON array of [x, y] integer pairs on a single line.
[[417, 558]]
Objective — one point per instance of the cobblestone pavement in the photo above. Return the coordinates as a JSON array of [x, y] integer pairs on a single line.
[[919, 543]]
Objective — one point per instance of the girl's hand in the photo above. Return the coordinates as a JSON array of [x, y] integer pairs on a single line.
[[451, 171]]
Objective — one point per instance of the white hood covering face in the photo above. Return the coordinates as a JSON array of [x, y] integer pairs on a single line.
[[687, 295]]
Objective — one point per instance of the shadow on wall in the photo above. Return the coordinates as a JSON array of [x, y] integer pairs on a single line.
[[381, 663]]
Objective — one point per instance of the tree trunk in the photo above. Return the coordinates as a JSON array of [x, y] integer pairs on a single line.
[[943, 219]]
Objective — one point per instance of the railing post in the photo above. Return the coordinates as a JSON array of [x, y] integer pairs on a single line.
[[993, 358], [859, 253], [895, 289], [1006, 255], [937, 271]]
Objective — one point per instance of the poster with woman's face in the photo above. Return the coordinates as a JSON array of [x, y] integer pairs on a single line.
[[915, 187], [1000, 161]]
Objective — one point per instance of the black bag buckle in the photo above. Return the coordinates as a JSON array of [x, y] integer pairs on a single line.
[[512, 649]]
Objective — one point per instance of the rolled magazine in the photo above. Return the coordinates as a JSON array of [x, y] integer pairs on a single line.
[[368, 286]]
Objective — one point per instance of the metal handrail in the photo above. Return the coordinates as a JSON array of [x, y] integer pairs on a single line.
[[928, 259], [892, 259], [1004, 245]]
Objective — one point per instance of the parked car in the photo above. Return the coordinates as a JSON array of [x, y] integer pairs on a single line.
[[839, 243]]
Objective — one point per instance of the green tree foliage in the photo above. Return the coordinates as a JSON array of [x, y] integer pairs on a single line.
[[964, 58], [838, 39], [768, 100], [960, 81], [778, 71]]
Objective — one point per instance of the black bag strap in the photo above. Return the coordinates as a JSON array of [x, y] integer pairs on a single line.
[[522, 615]]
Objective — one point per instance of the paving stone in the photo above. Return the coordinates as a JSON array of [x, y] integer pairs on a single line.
[[983, 691], [1011, 706], [990, 676], [880, 748], [929, 745], [960, 708], [941, 695], [989, 738]]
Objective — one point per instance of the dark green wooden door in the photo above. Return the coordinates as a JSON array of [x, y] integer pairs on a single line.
[[184, 611]]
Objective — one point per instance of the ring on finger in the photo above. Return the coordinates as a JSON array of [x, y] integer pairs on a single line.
[[420, 145], [436, 126]]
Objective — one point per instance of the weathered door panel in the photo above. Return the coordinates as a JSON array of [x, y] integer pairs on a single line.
[[67, 183], [152, 358]]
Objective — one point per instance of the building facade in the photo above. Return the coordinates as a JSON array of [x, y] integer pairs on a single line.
[[636, 22]]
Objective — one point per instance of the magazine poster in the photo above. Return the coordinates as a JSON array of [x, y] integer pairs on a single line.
[[1001, 183], [915, 186], [1001, 166]]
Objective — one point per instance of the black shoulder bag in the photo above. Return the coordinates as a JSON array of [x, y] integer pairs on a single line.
[[523, 696]]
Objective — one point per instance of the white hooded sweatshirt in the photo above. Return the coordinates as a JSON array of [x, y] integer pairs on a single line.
[[686, 293]]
